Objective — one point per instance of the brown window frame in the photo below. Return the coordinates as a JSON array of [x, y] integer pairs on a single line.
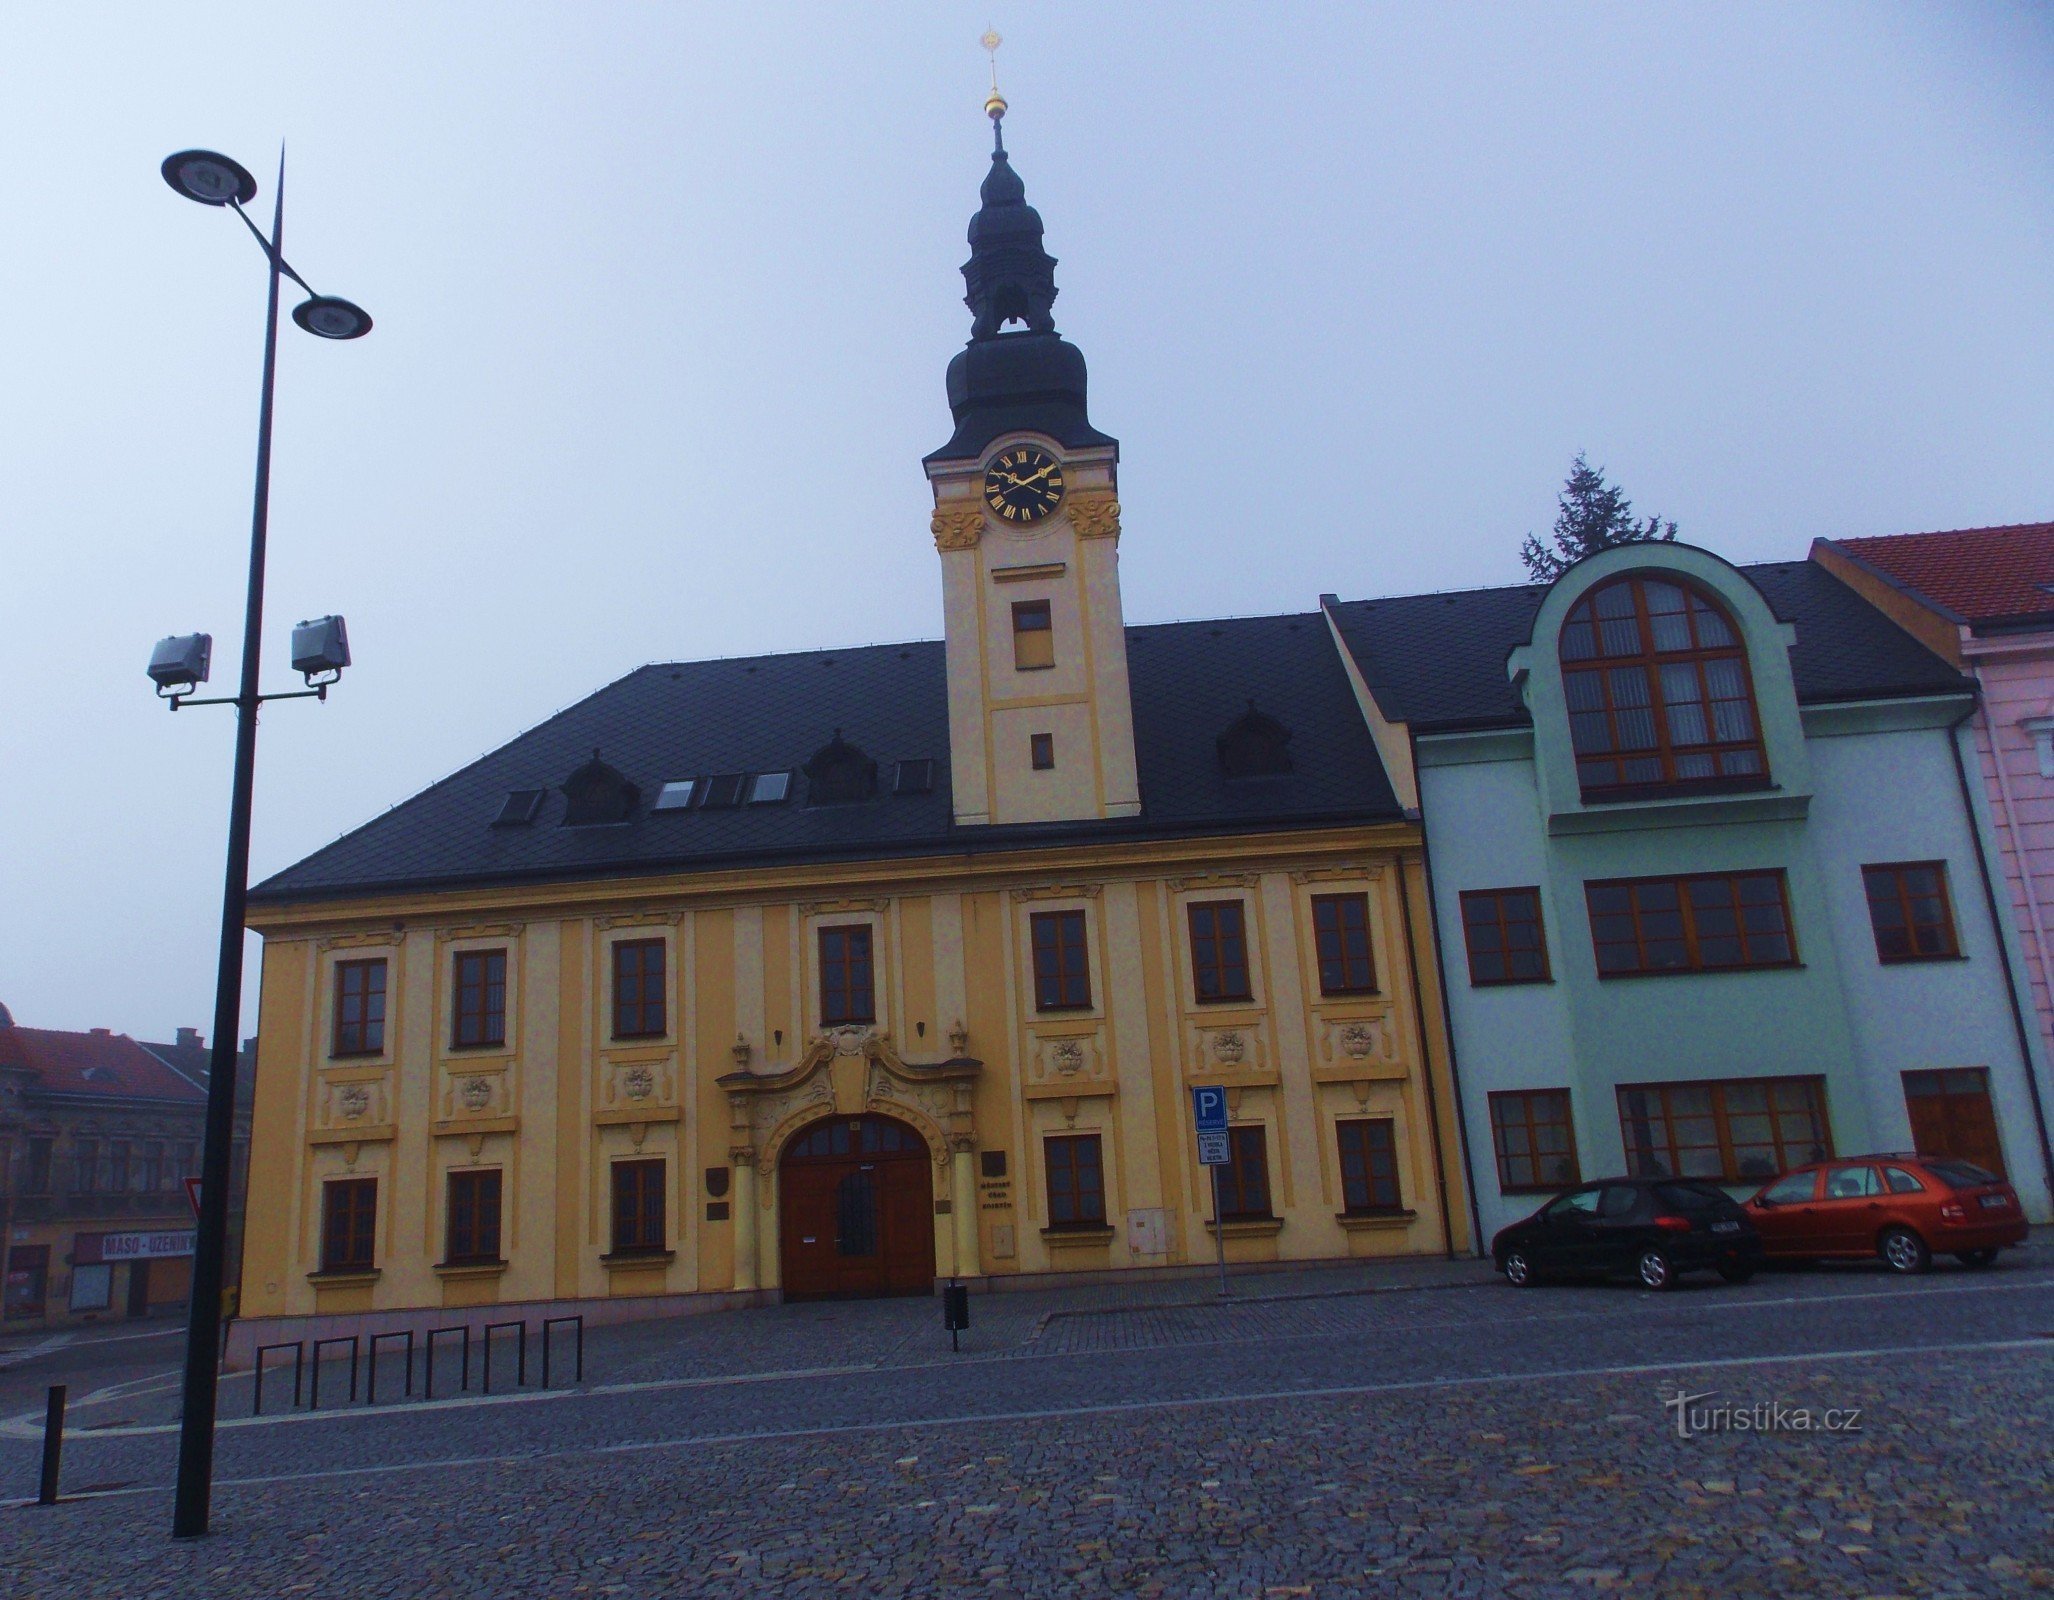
[[472, 1003], [1244, 1192], [1362, 1189], [843, 969], [638, 1205], [1343, 967], [85, 1166], [1209, 960], [472, 1217], [1520, 1109], [1502, 923], [1034, 638], [1075, 1186], [359, 1008], [1690, 933], [39, 1158], [1787, 1152], [120, 1169], [636, 1014], [1041, 752], [1891, 876], [1668, 753], [349, 1225], [1060, 984]]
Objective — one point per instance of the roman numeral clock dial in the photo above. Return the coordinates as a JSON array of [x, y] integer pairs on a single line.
[[1023, 485]]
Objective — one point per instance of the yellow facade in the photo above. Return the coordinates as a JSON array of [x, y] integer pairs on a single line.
[[561, 1100]]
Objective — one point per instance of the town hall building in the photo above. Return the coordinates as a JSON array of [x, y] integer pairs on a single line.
[[843, 971]]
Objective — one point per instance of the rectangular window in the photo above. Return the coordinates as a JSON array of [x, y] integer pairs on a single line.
[[1710, 922], [480, 998], [184, 1155], [1041, 751], [637, 1207], [1369, 1166], [1219, 952], [1502, 930], [1034, 640], [153, 1167], [1062, 972], [1534, 1140], [473, 1218], [1244, 1181], [359, 1008], [85, 1166], [38, 1181], [1340, 928], [1076, 1182], [349, 1224], [1736, 1130], [1910, 912], [118, 1170], [638, 998], [847, 990]]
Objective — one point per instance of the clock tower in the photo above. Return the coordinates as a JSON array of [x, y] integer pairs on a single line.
[[1041, 726]]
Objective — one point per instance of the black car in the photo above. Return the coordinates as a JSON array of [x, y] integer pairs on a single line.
[[1654, 1228]]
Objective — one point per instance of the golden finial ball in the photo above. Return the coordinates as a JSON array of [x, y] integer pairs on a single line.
[[995, 107], [991, 40]]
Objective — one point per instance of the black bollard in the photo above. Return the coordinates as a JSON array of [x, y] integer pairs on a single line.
[[955, 1311], [53, 1445]]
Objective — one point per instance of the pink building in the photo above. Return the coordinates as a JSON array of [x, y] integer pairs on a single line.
[[1984, 599]]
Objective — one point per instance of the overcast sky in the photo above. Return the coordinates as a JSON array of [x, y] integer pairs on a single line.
[[664, 295]]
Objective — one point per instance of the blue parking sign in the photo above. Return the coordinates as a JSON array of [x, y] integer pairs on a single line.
[[1209, 1108]]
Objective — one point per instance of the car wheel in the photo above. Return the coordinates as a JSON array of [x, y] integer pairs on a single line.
[[1654, 1270], [1518, 1270], [1904, 1251], [1976, 1258], [1737, 1273]]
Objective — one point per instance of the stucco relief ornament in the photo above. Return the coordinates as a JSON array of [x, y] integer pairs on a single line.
[[957, 530], [353, 1100], [1069, 1055], [1357, 1040], [637, 1083], [1229, 1048], [1095, 516], [476, 1093]]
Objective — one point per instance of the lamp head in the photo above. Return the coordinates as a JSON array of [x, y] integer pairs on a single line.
[[179, 664], [209, 177], [320, 650], [331, 317]]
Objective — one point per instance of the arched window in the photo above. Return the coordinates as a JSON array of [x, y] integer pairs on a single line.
[[1659, 693]]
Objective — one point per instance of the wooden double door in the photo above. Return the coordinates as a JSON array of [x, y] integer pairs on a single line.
[[856, 1211], [1951, 1115]]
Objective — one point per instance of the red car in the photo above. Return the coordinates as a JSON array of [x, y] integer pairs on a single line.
[[1899, 1207]]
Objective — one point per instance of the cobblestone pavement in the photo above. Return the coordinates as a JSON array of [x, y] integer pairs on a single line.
[[1318, 1440]]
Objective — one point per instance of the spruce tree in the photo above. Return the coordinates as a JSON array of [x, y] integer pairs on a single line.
[[1594, 514]]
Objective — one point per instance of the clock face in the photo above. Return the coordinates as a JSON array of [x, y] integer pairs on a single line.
[[1023, 484]]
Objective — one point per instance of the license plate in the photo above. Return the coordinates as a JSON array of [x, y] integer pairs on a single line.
[[1996, 1202], [1725, 1227]]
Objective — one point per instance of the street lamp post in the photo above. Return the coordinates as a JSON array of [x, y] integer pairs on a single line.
[[215, 180]]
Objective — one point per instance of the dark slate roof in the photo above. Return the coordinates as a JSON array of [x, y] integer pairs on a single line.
[[1437, 661], [771, 713]]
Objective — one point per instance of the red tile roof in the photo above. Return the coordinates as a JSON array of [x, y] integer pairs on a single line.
[[109, 1064], [1978, 575]]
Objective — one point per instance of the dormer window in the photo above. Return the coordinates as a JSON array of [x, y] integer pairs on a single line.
[[1659, 694], [597, 794], [839, 773], [1255, 745]]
